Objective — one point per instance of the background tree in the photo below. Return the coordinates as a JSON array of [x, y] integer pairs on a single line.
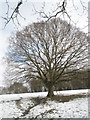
[[17, 88], [78, 80], [48, 51], [37, 86]]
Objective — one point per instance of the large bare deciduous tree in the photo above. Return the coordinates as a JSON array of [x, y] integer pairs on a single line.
[[48, 51]]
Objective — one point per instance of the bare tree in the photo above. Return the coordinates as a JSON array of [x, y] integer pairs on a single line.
[[60, 10], [47, 51]]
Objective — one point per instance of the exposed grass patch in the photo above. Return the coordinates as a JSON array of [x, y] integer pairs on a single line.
[[39, 100], [62, 98], [58, 98]]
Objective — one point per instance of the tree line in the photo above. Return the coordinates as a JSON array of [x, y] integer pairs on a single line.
[[79, 80]]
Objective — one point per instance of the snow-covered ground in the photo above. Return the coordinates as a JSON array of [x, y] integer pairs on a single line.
[[25, 106]]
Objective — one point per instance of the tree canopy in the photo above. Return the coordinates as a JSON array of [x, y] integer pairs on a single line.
[[48, 51]]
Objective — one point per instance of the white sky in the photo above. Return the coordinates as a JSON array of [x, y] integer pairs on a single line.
[[28, 12]]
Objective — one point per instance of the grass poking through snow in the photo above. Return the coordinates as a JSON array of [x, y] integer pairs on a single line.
[[58, 98]]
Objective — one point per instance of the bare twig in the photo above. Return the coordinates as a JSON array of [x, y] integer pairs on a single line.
[[14, 14]]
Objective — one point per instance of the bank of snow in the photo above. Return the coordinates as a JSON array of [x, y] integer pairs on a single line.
[[22, 105]]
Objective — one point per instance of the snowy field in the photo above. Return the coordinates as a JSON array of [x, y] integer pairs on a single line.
[[34, 105]]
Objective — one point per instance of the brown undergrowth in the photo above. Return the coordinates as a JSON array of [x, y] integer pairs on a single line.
[[60, 98]]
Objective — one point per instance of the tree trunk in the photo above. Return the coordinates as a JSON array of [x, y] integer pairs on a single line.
[[50, 92]]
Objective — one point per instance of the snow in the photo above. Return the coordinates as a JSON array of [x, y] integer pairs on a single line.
[[23, 105], [9, 97], [73, 109]]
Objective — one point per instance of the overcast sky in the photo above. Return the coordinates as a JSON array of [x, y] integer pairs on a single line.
[[27, 11]]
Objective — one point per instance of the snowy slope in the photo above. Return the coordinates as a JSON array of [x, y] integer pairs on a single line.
[[23, 105]]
